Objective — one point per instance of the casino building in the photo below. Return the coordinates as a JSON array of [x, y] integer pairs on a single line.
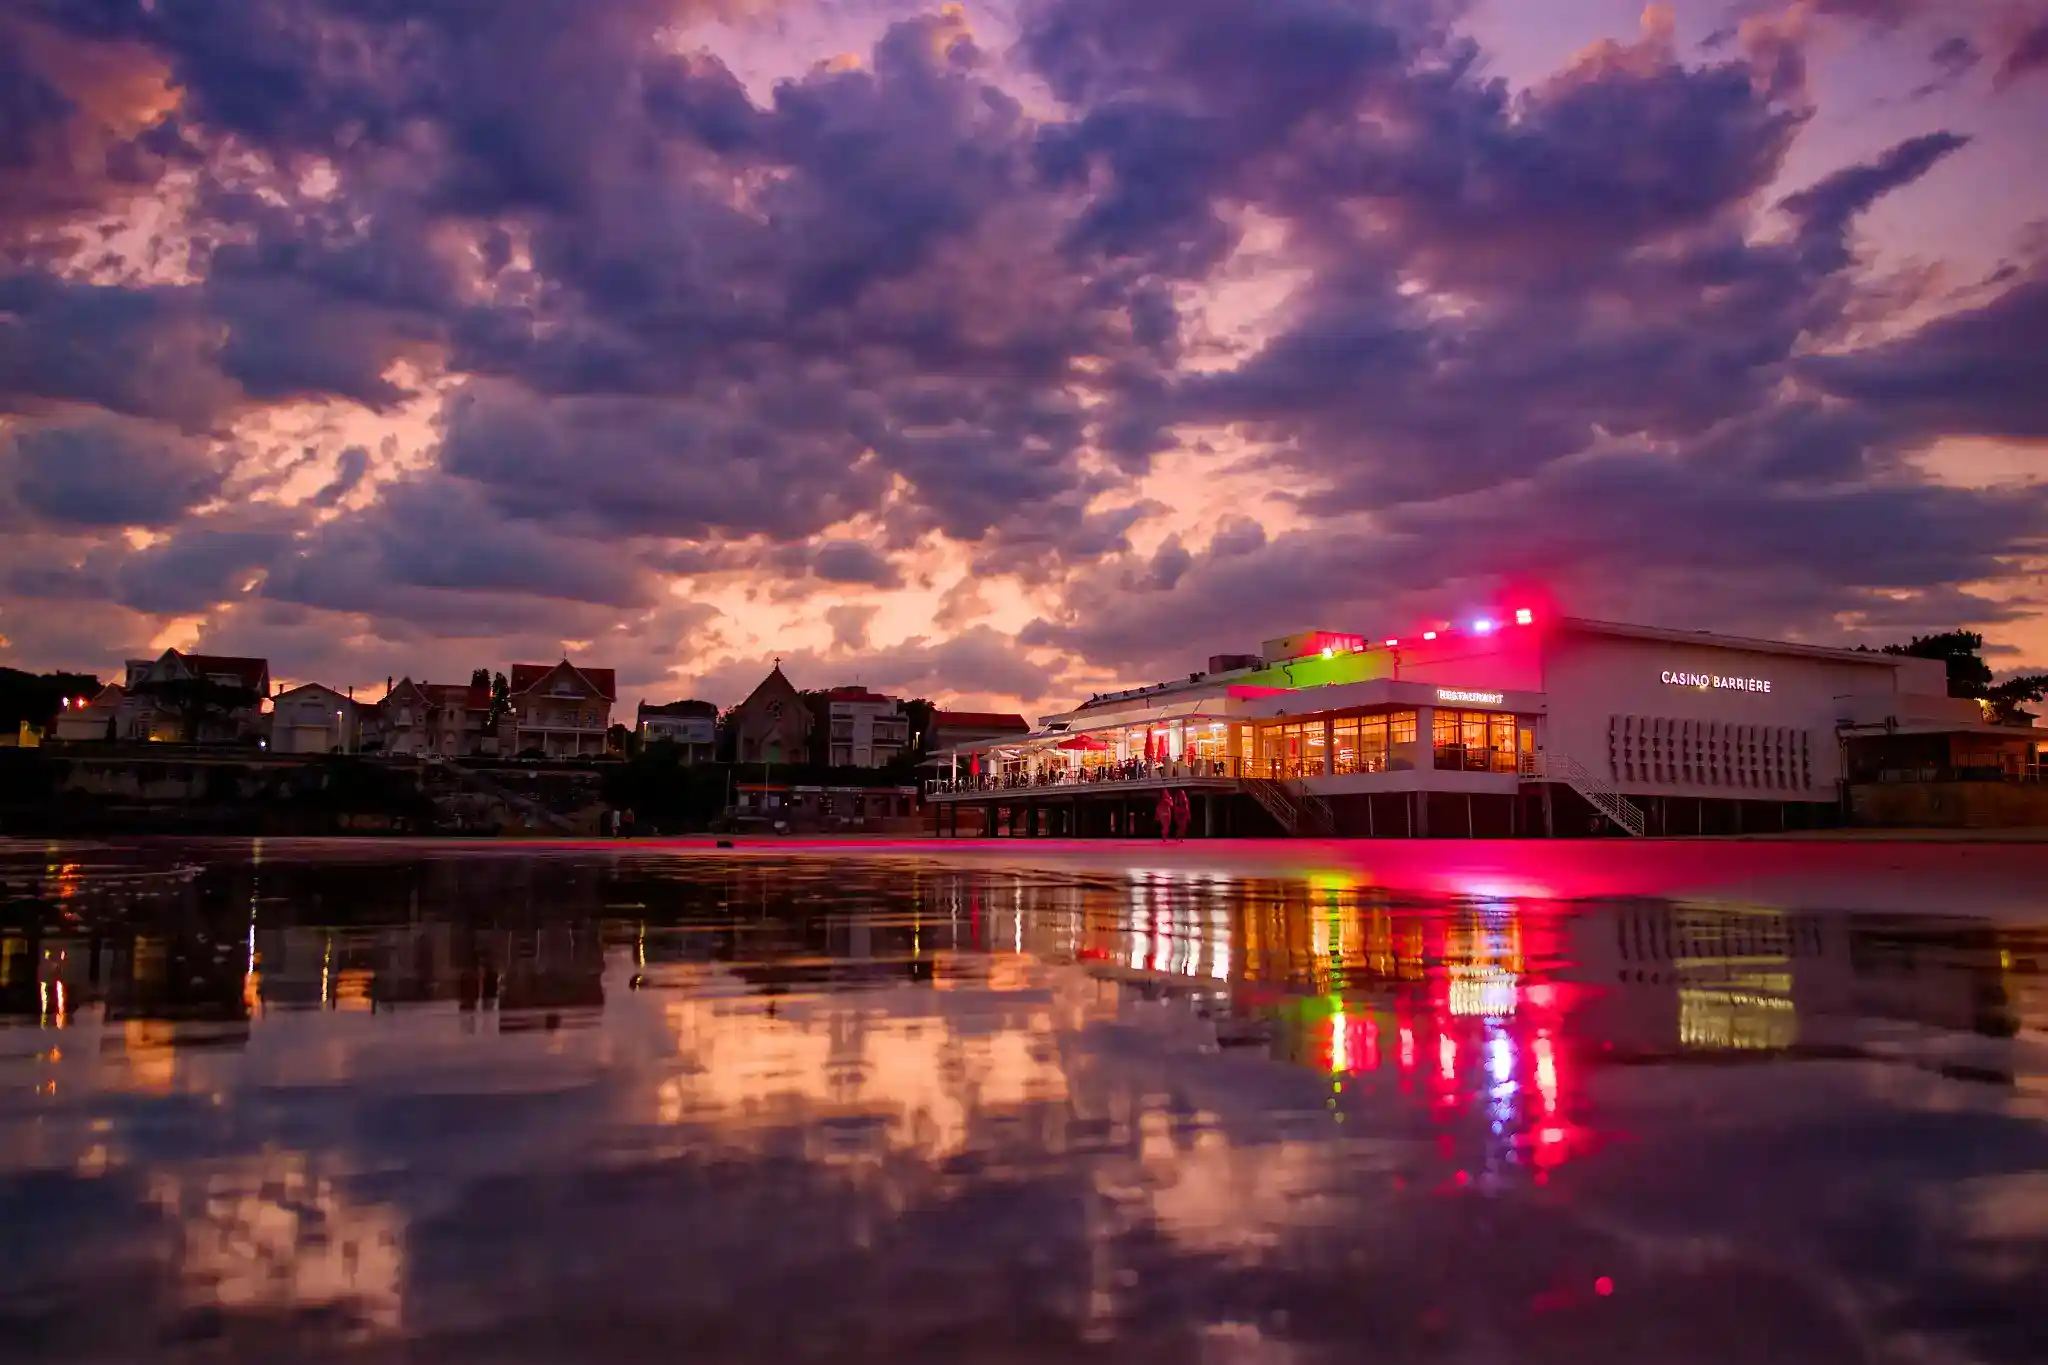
[[1505, 726]]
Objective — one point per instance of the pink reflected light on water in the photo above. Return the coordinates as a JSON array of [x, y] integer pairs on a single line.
[[1869, 874]]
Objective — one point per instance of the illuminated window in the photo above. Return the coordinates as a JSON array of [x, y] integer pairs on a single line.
[[1345, 736], [1362, 744], [1475, 741]]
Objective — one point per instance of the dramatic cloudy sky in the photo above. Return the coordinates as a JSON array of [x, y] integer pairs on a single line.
[[1006, 351]]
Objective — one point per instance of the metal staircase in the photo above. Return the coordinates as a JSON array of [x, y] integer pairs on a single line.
[[1300, 812], [1598, 791]]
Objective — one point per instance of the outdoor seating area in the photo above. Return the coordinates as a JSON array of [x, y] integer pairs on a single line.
[[1123, 771]]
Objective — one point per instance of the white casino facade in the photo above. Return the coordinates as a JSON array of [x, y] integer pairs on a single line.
[[1503, 726]]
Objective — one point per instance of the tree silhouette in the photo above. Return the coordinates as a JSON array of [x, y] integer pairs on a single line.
[[197, 703], [1968, 674], [2008, 698], [36, 697]]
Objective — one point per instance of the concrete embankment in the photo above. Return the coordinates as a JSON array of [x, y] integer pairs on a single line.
[[159, 790]]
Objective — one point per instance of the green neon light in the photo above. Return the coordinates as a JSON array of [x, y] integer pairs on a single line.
[[1315, 671]]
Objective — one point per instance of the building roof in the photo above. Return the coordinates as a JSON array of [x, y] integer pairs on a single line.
[[856, 693], [309, 686], [1153, 692], [253, 674], [692, 707], [466, 695], [979, 720], [603, 681], [1588, 626], [776, 683]]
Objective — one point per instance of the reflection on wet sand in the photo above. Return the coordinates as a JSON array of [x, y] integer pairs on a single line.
[[545, 1109]]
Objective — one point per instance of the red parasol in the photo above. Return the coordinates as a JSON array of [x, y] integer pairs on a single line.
[[1148, 746], [1083, 743], [974, 765]]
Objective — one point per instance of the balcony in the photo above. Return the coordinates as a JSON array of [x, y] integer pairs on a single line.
[[572, 722]]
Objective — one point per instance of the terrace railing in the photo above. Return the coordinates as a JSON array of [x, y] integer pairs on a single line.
[[1131, 771], [1480, 759]]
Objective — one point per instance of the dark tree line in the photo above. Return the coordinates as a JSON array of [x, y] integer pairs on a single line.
[[1969, 676], [36, 697]]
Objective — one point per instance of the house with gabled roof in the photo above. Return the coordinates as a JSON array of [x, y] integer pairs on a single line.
[[449, 719], [194, 698], [87, 719], [315, 719], [561, 710]]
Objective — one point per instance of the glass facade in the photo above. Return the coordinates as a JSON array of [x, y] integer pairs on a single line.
[[1209, 740], [1478, 741], [1364, 743], [1354, 743], [1289, 749], [1293, 749]]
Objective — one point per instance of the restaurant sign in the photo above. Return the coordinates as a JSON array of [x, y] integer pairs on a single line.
[[1476, 698], [1715, 682]]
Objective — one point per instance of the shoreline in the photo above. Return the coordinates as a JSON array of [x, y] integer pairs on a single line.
[[1919, 876]]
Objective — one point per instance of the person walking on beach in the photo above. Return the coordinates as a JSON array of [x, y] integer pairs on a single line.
[[1164, 810], [1180, 815]]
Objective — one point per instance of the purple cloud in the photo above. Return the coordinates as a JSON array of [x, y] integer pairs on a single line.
[[669, 322]]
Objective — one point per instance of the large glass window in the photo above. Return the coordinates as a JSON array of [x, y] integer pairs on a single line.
[[1449, 751], [1345, 735], [1472, 735], [1476, 741], [1362, 744], [1209, 741], [1356, 744], [1289, 750], [1500, 742]]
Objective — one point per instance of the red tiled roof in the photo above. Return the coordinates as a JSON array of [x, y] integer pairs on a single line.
[[253, 674], [526, 677], [978, 720], [466, 695]]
